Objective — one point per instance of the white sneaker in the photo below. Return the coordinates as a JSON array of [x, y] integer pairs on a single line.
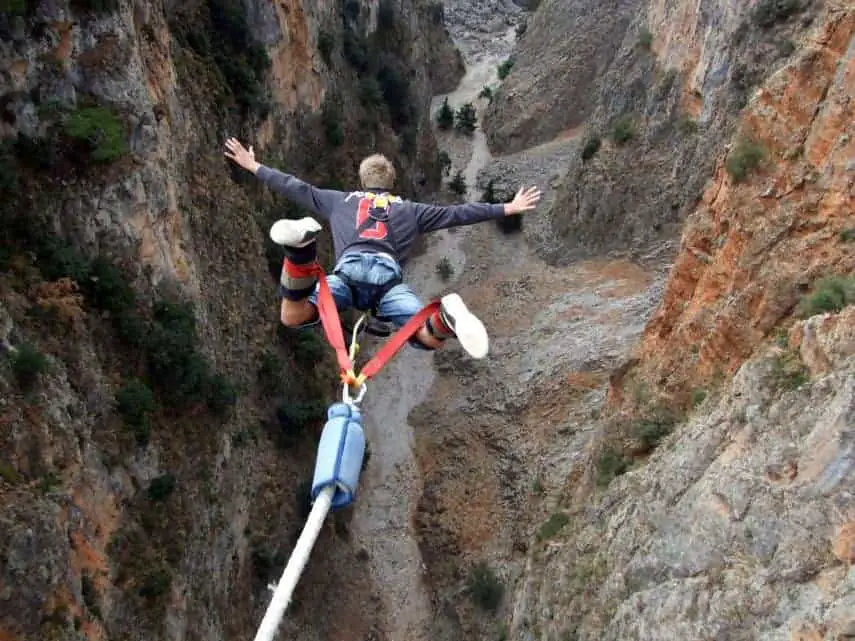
[[466, 327], [295, 233]]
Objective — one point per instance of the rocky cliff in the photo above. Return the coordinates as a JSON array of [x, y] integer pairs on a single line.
[[661, 447], [653, 91], [156, 424]]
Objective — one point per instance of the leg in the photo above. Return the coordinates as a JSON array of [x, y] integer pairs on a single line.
[[453, 319], [298, 287]]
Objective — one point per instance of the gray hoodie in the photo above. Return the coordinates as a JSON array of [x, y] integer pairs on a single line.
[[374, 220]]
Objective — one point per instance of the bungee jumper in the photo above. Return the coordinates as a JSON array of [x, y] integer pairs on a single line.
[[373, 231]]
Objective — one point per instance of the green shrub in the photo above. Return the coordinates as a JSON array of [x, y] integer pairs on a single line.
[[467, 119], [370, 94], [385, 16], [623, 129], [746, 156], [436, 11], [769, 12], [271, 373], [326, 44], [156, 582], [295, 416], [458, 184], [789, 371], [486, 92], [445, 269], [17, 7], [650, 431], [489, 194], [510, 224], [590, 147], [309, 348], [552, 526], [331, 118], [444, 162], [687, 125], [95, 6], [830, 294], [174, 363], [485, 587], [181, 373], [28, 363], [102, 131], [395, 88], [135, 402], [645, 38], [505, 68], [611, 464], [108, 288], [698, 396], [220, 393], [161, 487], [57, 259], [445, 116]]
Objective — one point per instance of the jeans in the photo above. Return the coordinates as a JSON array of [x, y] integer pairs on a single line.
[[360, 279]]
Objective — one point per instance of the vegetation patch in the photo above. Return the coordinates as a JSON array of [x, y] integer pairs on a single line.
[[485, 587], [28, 363], [610, 464], [505, 68], [590, 147], [745, 157], [445, 269], [623, 129], [830, 294], [220, 35], [458, 184], [552, 526], [768, 13], [135, 402]]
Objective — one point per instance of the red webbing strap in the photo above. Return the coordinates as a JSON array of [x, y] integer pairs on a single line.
[[397, 341], [328, 312], [331, 322]]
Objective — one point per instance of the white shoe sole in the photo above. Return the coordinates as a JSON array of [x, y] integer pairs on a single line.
[[470, 331], [295, 233]]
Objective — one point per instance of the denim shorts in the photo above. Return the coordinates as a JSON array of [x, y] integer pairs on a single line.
[[360, 279]]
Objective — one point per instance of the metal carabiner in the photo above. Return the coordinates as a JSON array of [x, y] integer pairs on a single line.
[[345, 395]]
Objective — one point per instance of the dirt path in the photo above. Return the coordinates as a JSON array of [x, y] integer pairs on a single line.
[[391, 485]]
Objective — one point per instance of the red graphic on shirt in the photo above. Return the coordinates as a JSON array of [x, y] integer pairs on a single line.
[[377, 231]]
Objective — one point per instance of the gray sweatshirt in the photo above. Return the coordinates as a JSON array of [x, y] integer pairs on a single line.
[[375, 220]]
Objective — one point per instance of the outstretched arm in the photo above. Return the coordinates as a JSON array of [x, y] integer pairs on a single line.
[[433, 217], [319, 201]]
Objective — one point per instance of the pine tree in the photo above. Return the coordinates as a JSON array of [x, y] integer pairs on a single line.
[[489, 195], [467, 119], [445, 117], [458, 184]]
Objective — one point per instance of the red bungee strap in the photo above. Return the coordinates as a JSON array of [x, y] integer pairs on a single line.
[[397, 340], [331, 322]]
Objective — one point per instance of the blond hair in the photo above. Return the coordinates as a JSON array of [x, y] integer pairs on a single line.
[[377, 172]]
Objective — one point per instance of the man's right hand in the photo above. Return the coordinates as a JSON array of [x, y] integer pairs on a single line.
[[525, 200], [245, 158]]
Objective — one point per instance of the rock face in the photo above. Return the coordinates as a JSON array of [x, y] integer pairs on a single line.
[[738, 527], [754, 247], [150, 519], [697, 486], [653, 90]]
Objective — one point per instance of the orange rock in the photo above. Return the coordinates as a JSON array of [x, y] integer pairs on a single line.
[[844, 543], [745, 259]]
